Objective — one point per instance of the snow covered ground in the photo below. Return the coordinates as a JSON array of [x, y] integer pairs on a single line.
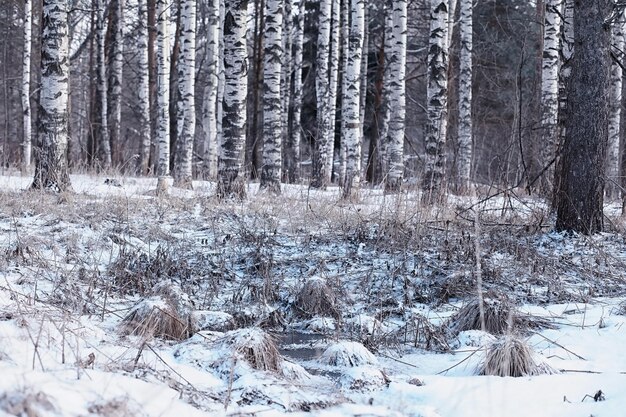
[[300, 304]]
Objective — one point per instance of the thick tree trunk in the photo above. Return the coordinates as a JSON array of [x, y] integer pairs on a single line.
[[465, 135], [292, 150], [163, 88], [143, 87], [351, 105], [615, 111], [115, 68], [397, 97], [231, 177], [272, 103], [345, 47], [186, 108], [209, 109], [26, 113], [437, 101], [53, 115], [581, 191], [322, 158], [550, 87], [285, 78], [333, 83]]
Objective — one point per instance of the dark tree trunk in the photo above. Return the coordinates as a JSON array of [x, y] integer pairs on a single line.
[[581, 189]]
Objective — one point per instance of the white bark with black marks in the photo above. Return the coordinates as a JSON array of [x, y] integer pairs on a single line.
[[615, 110], [323, 156], [550, 86], [397, 96], [437, 102], [103, 145], [465, 133], [186, 106], [163, 87], [26, 111], [352, 100], [53, 115], [272, 98], [209, 108], [231, 175], [115, 73], [143, 86]]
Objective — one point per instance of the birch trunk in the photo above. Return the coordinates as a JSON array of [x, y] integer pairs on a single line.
[[163, 90], [26, 112], [209, 109], [292, 155], [550, 87], [385, 110], [465, 134], [333, 83], [351, 105], [437, 100], [53, 114], [565, 73], [322, 163], [272, 103], [345, 47], [615, 110], [103, 145], [115, 67], [285, 78], [397, 97], [143, 87], [186, 108], [231, 176]]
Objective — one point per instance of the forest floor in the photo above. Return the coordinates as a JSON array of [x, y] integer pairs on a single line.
[[115, 302]]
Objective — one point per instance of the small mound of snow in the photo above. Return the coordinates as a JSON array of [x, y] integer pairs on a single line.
[[475, 338], [216, 321], [363, 378], [346, 353]]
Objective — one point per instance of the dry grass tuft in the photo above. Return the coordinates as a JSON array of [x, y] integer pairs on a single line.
[[116, 407], [421, 333], [167, 314], [499, 316], [257, 347], [316, 298], [512, 356], [27, 403]]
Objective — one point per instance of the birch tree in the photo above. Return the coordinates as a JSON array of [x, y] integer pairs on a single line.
[[581, 188], [272, 103], [186, 108], [26, 112], [103, 144], [231, 177], [163, 92], [115, 68], [615, 109], [53, 114], [550, 85], [292, 148], [345, 47], [465, 135], [437, 101], [209, 109], [351, 106], [143, 86], [285, 78], [333, 80], [322, 163], [397, 97]]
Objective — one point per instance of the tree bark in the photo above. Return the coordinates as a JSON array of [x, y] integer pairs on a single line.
[[115, 68], [231, 178], [437, 102], [186, 108], [53, 113], [26, 112], [465, 135], [163, 88], [581, 191], [144, 87], [397, 97], [272, 103], [209, 109], [615, 111]]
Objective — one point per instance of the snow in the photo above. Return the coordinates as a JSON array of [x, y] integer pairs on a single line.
[[241, 265]]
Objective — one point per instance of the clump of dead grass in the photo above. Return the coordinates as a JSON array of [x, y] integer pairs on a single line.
[[512, 356], [27, 403], [116, 407], [316, 298], [421, 333], [166, 314], [256, 347]]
